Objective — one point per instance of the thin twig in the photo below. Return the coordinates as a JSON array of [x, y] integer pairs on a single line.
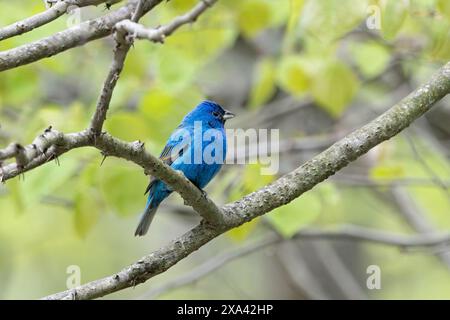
[[123, 45], [159, 34], [124, 39], [210, 266], [427, 168]]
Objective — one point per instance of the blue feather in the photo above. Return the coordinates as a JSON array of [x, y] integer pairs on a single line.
[[197, 148]]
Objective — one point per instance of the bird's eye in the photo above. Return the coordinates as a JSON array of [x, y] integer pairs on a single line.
[[216, 114]]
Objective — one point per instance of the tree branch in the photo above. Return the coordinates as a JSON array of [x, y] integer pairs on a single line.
[[126, 31], [70, 38], [136, 153], [43, 18], [160, 33], [192, 196], [343, 152], [364, 181], [280, 192], [342, 233], [121, 49], [212, 265], [59, 143], [51, 144], [47, 146]]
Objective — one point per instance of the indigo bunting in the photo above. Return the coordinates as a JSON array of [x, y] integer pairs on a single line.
[[197, 148]]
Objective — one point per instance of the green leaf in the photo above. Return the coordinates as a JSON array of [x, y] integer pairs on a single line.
[[439, 46], [158, 104], [400, 161], [393, 15], [443, 7], [253, 179], [295, 8], [20, 86], [264, 83], [371, 57], [15, 191], [334, 87], [181, 6], [86, 210], [174, 76], [46, 179], [163, 110], [246, 182], [387, 172], [326, 21], [292, 75], [88, 201], [241, 233], [123, 187], [289, 219], [128, 126], [217, 33], [253, 16]]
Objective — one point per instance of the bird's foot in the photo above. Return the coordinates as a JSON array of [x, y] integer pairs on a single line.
[[204, 193]]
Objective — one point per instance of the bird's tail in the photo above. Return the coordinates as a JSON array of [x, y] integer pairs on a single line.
[[146, 219]]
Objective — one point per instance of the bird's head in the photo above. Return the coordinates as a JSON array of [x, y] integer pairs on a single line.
[[209, 112]]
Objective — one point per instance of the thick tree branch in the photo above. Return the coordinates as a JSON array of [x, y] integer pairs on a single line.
[[343, 152], [70, 38], [342, 233], [47, 146], [136, 153], [40, 19], [51, 144], [280, 192], [212, 265]]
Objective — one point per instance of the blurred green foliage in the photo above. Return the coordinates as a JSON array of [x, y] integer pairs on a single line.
[[78, 212]]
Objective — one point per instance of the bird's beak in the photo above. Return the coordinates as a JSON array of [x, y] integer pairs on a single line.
[[228, 115]]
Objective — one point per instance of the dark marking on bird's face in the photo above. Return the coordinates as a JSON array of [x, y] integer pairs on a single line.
[[222, 117], [210, 112], [218, 112], [227, 115]]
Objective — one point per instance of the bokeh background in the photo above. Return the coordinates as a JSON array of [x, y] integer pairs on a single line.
[[315, 69]]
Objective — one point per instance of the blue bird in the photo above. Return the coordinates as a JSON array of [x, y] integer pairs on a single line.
[[197, 148]]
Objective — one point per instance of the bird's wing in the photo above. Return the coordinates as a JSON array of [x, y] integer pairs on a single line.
[[150, 185], [168, 156]]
